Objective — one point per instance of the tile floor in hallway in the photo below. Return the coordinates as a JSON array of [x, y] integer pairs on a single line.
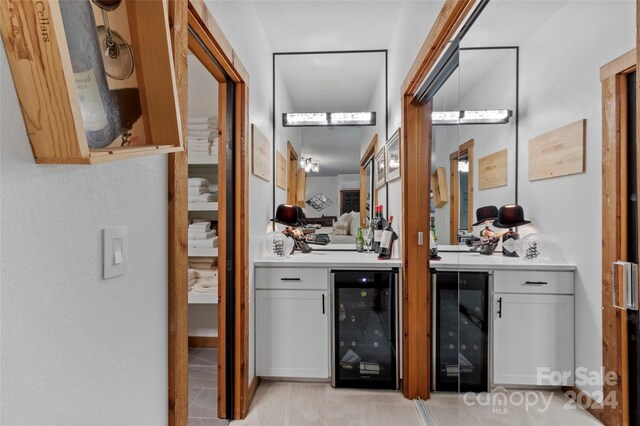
[[307, 404], [203, 387]]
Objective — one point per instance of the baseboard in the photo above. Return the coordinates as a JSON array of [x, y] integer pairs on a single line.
[[585, 401], [253, 387], [203, 342]]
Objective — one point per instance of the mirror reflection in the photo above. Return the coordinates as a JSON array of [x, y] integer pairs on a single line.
[[474, 141], [330, 111]]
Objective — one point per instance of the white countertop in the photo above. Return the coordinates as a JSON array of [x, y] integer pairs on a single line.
[[477, 261], [329, 259]]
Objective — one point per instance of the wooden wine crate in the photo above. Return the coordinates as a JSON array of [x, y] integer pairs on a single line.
[[34, 38]]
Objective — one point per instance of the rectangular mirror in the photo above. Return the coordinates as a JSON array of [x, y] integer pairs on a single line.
[[329, 164]]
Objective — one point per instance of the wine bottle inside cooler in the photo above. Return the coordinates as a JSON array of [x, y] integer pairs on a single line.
[[99, 110], [389, 236]]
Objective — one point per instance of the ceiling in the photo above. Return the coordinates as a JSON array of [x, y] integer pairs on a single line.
[[295, 26], [330, 82], [337, 150]]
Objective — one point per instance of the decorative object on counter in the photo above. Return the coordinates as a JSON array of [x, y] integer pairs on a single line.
[[279, 244], [509, 217], [559, 152], [433, 240], [380, 176], [293, 218], [485, 216], [483, 245], [319, 202], [261, 158], [389, 236], [287, 215], [367, 233], [493, 170], [392, 159], [531, 247], [439, 187]]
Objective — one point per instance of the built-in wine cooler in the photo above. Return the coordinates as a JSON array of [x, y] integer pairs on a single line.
[[460, 331], [364, 322]]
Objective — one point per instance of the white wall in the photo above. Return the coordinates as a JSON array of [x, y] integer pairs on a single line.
[[77, 349], [559, 84], [240, 24], [202, 90]]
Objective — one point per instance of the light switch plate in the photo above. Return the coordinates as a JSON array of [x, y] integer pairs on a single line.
[[114, 247]]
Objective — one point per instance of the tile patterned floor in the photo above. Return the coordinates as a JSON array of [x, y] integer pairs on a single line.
[[203, 388]]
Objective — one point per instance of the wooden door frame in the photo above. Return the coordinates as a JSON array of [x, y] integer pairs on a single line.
[[194, 14], [467, 149], [292, 178], [614, 239], [369, 153], [415, 155]]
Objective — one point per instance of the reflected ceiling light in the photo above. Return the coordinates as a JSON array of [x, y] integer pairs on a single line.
[[311, 119], [484, 116], [463, 166], [309, 166]]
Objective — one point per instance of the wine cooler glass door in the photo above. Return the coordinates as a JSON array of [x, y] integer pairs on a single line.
[[364, 318]]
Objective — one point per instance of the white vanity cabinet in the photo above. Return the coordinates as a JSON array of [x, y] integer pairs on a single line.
[[533, 326], [292, 322]]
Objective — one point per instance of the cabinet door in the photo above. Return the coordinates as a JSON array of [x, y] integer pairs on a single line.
[[292, 333], [532, 331]]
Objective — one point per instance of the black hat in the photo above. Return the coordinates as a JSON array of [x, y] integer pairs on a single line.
[[510, 216], [485, 214], [288, 215]]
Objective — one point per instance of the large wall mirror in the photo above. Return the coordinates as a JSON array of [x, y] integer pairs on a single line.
[[323, 144], [474, 137]]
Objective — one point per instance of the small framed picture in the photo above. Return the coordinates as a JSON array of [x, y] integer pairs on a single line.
[[392, 160], [380, 177]]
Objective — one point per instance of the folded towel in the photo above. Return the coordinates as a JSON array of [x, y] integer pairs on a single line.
[[201, 120], [204, 273], [200, 227], [197, 190], [199, 126], [191, 134], [198, 182], [201, 235], [202, 198], [206, 290], [199, 150], [210, 243]]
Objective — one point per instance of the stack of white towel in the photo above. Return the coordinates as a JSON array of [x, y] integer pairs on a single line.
[[202, 236], [204, 271], [201, 191], [203, 137]]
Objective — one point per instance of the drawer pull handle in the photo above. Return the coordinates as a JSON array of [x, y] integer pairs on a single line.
[[535, 283], [290, 279], [323, 304], [499, 307]]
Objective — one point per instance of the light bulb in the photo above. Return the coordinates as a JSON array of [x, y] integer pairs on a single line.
[[315, 167], [303, 162]]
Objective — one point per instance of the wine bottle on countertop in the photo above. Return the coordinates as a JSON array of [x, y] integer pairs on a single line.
[[389, 236], [376, 229], [379, 229], [98, 108]]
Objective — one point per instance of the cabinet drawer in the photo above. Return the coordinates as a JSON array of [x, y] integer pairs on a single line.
[[292, 278], [533, 282]]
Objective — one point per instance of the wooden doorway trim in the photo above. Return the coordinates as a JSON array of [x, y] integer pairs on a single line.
[[369, 153], [614, 243], [292, 174], [415, 154], [466, 149], [194, 14]]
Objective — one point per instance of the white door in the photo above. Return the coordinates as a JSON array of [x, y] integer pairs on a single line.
[[292, 333], [532, 332]]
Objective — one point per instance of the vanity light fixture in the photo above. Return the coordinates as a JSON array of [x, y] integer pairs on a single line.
[[484, 116], [313, 119]]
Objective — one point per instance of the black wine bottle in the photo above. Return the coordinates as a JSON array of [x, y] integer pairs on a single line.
[[380, 224], [389, 236], [99, 110]]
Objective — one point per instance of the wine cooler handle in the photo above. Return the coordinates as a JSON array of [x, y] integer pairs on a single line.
[[499, 307], [629, 285], [323, 304]]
